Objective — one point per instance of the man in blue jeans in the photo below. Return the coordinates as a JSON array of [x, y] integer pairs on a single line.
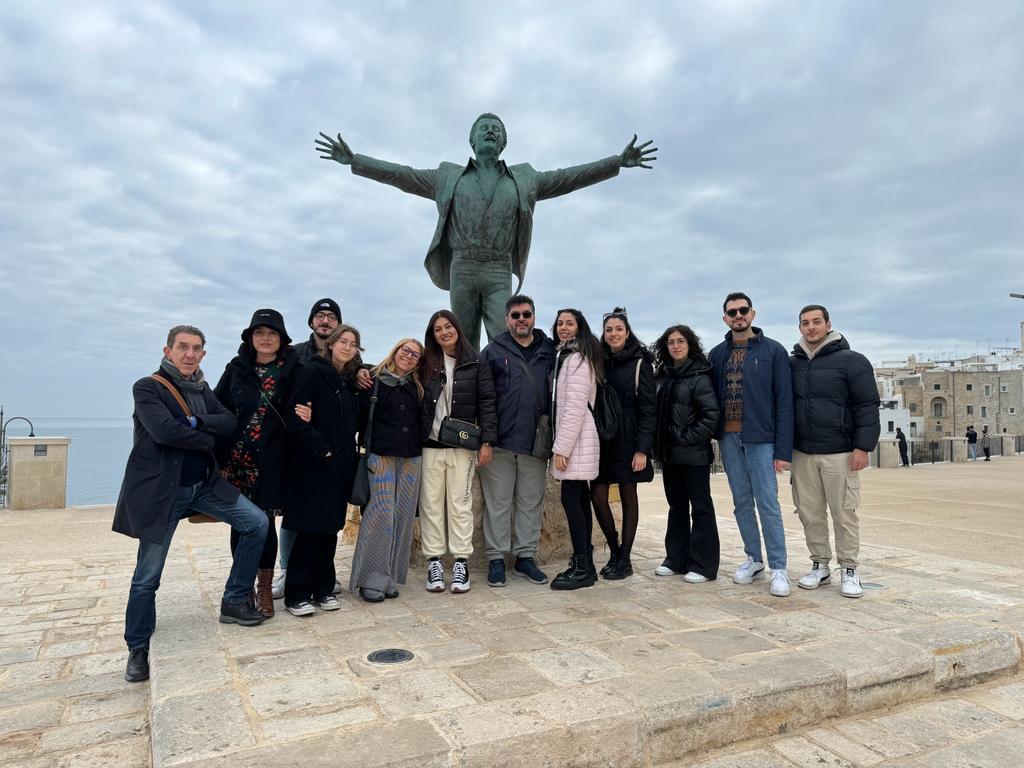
[[755, 434], [172, 474]]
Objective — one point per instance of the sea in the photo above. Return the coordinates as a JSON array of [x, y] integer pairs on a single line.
[[96, 456]]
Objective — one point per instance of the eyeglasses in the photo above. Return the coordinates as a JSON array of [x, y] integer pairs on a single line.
[[348, 345], [325, 316], [617, 312], [676, 342], [738, 311], [414, 354], [525, 315]]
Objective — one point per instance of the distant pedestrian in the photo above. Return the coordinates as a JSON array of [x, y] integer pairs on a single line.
[[836, 426], [755, 391], [986, 443], [171, 474], [901, 440], [972, 443]]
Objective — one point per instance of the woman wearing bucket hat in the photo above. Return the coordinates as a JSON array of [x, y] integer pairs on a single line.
[[255, 387]]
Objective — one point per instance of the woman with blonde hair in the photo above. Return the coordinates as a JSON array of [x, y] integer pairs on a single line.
[[392, 442]]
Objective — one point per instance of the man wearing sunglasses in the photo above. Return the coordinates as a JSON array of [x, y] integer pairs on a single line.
[[755, 433], [521, 360]]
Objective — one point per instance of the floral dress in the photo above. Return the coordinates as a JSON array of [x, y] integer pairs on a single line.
[[242, 466]]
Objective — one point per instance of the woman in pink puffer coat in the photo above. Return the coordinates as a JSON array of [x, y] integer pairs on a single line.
[[577, 449]]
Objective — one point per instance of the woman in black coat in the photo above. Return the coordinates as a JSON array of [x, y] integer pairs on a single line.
[[322, 466], [458, 388], [625, 461], [255, 387], [687, 414]]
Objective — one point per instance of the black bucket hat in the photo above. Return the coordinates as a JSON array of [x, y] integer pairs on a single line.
[[267, 318]]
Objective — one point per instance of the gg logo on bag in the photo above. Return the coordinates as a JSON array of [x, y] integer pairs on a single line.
[[463, 435]]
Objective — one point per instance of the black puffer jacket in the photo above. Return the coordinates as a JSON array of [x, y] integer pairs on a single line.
[[687, 415], [318, 485], [835, 400], [639, 417], [239, 391], [472, 397], [396, 420]]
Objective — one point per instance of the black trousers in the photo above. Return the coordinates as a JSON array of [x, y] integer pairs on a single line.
[[903, 455], [576, 503], [691, 540], [269, 555], [310, 567]]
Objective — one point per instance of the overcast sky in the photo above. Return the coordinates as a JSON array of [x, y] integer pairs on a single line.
[[157, 167]]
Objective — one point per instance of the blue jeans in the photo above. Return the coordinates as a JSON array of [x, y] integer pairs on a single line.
[[972, 451], [243, 516], [751, 473]]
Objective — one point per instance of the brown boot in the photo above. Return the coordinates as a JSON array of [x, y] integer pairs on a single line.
[[264, 596]]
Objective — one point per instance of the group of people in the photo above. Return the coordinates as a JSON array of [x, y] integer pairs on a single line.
[[281, 432], [974, 440]]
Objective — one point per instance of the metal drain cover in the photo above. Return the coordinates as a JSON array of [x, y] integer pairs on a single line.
[[389, 656]]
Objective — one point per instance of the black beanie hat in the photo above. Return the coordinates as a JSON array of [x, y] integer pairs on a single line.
[[329, 305], [267, 318]]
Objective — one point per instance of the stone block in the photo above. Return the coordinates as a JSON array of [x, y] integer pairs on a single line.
[[198, 725], [110, 704], [30, 717], [126, 753], [758, 758], [78, 735], [1001, 749], [188, 674], [573, 666], [805, 753], [965, 652], [293, 694], [417, 691], [283, 727], [846, 748], [720, 642], [501, 677], [302, 661]]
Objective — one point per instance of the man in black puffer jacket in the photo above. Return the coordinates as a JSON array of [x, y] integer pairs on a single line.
[[836, 426]]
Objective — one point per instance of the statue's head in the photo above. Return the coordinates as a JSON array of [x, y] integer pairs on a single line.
[[487, 133]]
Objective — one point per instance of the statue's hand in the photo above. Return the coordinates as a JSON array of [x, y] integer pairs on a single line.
[[635, 157], [338, 151]]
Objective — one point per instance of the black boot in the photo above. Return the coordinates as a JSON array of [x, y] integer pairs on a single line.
[[623, 568], [578, 574], [614, 551], [590, 564]]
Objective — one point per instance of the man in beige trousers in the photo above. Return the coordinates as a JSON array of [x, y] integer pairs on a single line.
[[836, 425]]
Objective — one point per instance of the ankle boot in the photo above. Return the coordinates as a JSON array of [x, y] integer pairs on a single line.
[[590, 563], [623, 568], [578, 574], [265, 591], [614, 554]]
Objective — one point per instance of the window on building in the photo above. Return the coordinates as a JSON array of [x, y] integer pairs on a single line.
[[900, 382], [938, 408], [892, 427], [970, 410], [936, 386], [988, 390], [984, 411], [970, 387], [913, 407], [1004, 387], [1012, 410]]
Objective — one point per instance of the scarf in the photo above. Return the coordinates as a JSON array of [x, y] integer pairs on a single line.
[[192, 387], [391, 379]]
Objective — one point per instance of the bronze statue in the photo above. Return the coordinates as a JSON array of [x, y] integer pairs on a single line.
[[485, 214]]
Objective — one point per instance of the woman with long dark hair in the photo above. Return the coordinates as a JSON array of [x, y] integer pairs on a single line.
[[576, 448], [626, 460], [381, 559], [687, 413], [458, 427], [322, 469], [256, 386]]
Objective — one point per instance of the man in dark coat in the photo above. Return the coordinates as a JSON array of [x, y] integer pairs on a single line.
[[172, 474], [323, 319], [835, 409], [513, 482]]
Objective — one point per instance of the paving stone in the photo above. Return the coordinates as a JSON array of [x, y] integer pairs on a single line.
[[872, 735], [16, 750], [29, 717], [502, 733], [296, 693], [501, 677], [996, 701], [965, 652], [77, 735], [647, 654], [936, 724], [32, 673], [720, 642], [126, 753], [186, 674], [576, 632], [417, 691], [132, 700], [759, 758], [513, 640], [571, 666], [361, 642], [1001, 749], [807, 754], [198, 725], [846, 748], [457, 651], [175, 636], [798, 627], [303, 661], [283, 727]]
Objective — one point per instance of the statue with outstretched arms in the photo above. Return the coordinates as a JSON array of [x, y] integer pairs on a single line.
[[484, 214]]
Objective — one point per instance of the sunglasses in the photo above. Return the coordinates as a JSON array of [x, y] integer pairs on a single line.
[[617, 312], [738, 311], [525, 315]]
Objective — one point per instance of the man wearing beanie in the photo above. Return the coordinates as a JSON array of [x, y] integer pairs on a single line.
[[323, 319]]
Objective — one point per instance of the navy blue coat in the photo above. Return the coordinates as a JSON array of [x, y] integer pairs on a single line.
[[518, 405], [767, 393], [154, 465]]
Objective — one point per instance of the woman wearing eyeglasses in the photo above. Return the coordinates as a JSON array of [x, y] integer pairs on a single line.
[[323, 462], [687, 413], [255, 387], [625, 461], [576, 448], [458, 426], [381, 559]]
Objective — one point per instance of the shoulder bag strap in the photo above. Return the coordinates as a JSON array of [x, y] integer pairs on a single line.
[[533, 383], [369, 417], [177, 395]]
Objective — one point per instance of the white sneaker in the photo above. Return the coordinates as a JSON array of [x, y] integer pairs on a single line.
[[304, 608], [692, 577], [746, 573], [460, 577], [664, 570], [328, 603], [820, 574], [277, 586], [435, 576], [337, 587], [780, 584], [851, 584]]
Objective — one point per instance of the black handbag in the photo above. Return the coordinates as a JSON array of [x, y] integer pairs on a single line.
[[360, 495], [456, 433]]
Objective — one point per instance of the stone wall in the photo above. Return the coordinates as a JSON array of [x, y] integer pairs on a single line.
[[38, 472]]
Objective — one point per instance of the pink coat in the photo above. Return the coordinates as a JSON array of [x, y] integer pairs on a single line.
[[575, 432]]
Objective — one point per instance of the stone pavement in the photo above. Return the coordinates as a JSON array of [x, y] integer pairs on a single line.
[[644, 671]]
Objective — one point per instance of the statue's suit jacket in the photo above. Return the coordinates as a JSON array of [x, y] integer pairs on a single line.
[[439, 185]]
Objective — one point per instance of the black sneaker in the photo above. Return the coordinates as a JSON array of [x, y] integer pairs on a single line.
[[526, 567], [240, 613], [137, 669], [496, 573]]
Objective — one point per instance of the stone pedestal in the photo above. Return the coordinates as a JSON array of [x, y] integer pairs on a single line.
[[37, 472], [888, 454], [1009, 444], [957, 449]]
